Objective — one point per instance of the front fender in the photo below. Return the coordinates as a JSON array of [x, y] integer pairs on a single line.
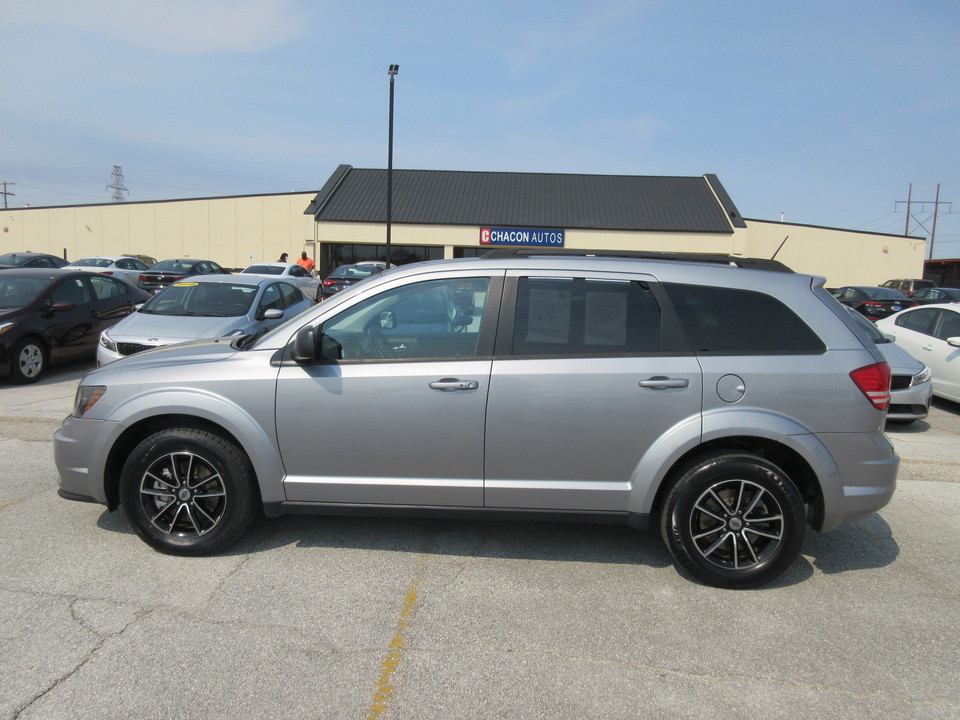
[[255, 436]]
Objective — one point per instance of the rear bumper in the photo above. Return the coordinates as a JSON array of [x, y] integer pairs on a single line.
[[867, 465]]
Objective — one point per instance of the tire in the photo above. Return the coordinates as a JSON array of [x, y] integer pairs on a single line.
[[29, 361], [187, 491], [733, 520]]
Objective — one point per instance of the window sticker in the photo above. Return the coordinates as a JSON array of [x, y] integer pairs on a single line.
[[549, 316], [606, 318]]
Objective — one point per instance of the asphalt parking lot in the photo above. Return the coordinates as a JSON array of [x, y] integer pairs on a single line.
[[373, 618]]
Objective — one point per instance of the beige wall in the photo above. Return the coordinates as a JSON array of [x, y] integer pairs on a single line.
[[842, 256], [232, 231], [236, 231]]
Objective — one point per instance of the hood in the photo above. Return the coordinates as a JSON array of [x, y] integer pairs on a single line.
[[169, 329], [900, 361], [197, 351]]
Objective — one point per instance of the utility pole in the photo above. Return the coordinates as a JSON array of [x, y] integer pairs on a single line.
[[117, 184], [928, 210], [6, 192]]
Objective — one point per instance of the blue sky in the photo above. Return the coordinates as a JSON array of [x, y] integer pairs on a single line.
[[823, 111]]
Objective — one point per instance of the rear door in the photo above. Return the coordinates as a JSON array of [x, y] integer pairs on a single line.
[[586, 377]]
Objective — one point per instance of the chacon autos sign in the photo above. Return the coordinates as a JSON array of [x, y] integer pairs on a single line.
[[521, 236]]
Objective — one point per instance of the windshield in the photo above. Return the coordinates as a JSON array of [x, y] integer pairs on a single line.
[[18, 292], [177, 266], [355, 272], [202, 299], [93, 262], [264, 270]]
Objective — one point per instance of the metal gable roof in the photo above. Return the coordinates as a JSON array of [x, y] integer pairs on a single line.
[[599, 202]]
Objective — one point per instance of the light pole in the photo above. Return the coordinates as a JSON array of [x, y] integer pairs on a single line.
[[392, 72]]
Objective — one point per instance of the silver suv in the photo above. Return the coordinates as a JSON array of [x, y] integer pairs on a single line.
[[732, 402]]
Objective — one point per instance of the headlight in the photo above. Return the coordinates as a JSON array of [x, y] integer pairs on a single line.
[[106, 342], [87, 396], [921, 377]]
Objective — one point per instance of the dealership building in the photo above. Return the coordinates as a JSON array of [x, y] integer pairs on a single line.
[[446, 214]]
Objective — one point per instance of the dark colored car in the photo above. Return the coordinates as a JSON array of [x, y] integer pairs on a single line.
[[908, 286], [926, 296], [52, 315], [30, 260], [169, 271], [347, 275], [873, 302]]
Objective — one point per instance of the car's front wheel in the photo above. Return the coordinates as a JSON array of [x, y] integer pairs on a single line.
[[28, 362], [733, 520], [187, 491]]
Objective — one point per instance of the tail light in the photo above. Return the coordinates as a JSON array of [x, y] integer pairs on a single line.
[[874, 382], [328, 283]]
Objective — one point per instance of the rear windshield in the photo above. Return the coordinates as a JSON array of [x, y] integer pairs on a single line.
[[882, 293], [93, 262], [355, 271], [177, 266], [264, 270], [730, 321]]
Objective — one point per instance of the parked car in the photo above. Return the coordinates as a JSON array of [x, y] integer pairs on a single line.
[[910, 385], [203, 307], [727, 405], [147, 260], [121, 266], [873, 302], [165, 272], [347, 275], [30, 260], [908, 286], [931, 333], [292, 273], [927, 296], [51, 315]]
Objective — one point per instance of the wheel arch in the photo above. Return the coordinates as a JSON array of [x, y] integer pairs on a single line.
[[787, 458]]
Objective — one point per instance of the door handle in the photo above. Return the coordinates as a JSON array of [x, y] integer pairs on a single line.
[[448, 384], [661, 382]]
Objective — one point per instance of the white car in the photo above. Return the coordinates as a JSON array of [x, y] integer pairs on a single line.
[[120, 266], [931, 333], [292, 273]]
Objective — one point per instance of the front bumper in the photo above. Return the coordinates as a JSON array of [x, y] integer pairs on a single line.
[[80, 455]]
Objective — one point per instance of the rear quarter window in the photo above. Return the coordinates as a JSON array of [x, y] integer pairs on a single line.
[[732, 321]]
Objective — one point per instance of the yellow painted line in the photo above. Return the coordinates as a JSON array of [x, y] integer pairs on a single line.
[[384, 687], [12, 502], [928, 462]]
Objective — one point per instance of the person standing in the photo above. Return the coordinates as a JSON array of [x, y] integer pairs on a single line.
[[306, 262]]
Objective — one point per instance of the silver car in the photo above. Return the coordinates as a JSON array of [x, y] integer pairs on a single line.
[[729, 402], [291, 272], [119, 266], [207, 306]]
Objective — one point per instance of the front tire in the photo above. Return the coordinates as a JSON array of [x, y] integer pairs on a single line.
[[187, 491], [28, 362], [733, 520]]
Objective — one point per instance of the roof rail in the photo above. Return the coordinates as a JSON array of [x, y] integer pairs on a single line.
[[715, 258]]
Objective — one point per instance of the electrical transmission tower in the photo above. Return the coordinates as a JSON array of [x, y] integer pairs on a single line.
[[6, 192], [922, 212], [117, 184]]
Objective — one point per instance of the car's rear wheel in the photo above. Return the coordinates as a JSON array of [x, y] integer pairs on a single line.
[[29, 361], [188, 491], [733, 520]]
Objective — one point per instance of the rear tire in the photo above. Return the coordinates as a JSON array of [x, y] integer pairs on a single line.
[[733, 520], [187, 491]]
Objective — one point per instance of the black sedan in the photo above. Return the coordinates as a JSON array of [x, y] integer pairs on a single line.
[[937, 295], [873, 302], [170, 271], [30, 260], [52, 315], [347, 275]]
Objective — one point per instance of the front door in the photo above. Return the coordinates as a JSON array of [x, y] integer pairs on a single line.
[[395, 415]]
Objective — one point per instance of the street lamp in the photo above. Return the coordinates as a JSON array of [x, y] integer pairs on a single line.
[[392, 72]]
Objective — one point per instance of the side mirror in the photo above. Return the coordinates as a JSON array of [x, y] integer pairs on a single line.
[[388, 320], [273, 314], [62, 306], [305, 345], [953, 341]]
